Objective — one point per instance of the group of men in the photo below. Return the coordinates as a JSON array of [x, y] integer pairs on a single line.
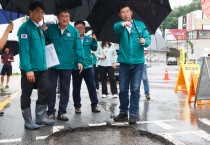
[[73, 49]]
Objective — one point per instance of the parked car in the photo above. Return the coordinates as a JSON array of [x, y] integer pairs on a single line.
[[171, 61]]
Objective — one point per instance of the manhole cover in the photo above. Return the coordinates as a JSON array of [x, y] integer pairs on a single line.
[[105, 135]]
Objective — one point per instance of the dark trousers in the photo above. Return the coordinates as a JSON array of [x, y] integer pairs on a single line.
[[88, 76], [96, 76], [43, 87], [103, 76], [65, 77]]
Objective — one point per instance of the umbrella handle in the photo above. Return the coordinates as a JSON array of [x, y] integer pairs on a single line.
[[10, 22], [137, 30]]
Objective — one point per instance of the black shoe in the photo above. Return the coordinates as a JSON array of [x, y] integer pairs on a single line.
[[148, 97], [62, 117], [121, 117], [51, 116], [132, 119], [1, 113], [7, 86], [96, 110]]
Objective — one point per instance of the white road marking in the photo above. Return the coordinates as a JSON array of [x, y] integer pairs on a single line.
[[41, 137], [169, 136], [199, 133], [120, 124], [57, 128], [160, 123], [163, 125], [205, 121], [10, 140], [98, 124], [203, 134]]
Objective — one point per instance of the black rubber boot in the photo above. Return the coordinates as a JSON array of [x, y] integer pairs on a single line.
[[29, 124], [41, 116]]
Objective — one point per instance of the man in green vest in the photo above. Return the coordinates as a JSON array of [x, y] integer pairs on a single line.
[[133, 37], [89, 44], [67, 44], [33, 67]]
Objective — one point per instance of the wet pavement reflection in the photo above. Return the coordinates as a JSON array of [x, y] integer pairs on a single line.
[[167, 114]]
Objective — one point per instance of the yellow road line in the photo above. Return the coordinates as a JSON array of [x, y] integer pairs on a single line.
[[8, 100]]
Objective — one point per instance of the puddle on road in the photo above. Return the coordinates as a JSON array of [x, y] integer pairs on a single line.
[[105, 135]]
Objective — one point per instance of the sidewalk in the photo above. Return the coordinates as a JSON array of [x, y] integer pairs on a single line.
[[14, 86]]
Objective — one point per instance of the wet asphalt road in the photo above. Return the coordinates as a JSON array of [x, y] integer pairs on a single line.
[[167, 114]]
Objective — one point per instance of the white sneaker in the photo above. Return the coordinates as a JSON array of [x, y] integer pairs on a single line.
[[103, 96], [115, 96]]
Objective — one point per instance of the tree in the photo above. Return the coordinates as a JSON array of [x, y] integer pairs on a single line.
[[191, 46], [171, 22]]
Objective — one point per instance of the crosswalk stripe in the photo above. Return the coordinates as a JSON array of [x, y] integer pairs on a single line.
[[203, 134], [169, 136], [57, 128], [160, 123], [41, 137], [98, 124], [199, 133], [163, 125], [10, 140], [205, 121]]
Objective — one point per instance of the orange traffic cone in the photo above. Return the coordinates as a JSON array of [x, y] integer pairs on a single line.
[[166, 75]]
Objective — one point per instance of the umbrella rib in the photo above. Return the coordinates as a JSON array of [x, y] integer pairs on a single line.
[[88, 1]]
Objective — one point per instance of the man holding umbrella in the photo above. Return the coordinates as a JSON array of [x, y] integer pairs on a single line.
[[133, 37], [33, 67]]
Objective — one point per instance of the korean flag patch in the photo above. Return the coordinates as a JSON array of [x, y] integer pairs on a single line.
[[24, 36]]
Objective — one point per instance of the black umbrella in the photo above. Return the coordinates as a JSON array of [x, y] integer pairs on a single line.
[[51, 6], [81, 12], [13, 47], [104, 14]]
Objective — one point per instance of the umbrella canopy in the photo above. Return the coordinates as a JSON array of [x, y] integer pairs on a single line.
[[104, 14], [7, 16], [81, 12], [51, 6], [13, 47], [205, 4]]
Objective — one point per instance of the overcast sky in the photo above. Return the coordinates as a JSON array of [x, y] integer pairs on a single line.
[[176, 3]]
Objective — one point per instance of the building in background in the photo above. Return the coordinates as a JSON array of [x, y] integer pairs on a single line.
[[176, 38], [157, 48], [197, 26]]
